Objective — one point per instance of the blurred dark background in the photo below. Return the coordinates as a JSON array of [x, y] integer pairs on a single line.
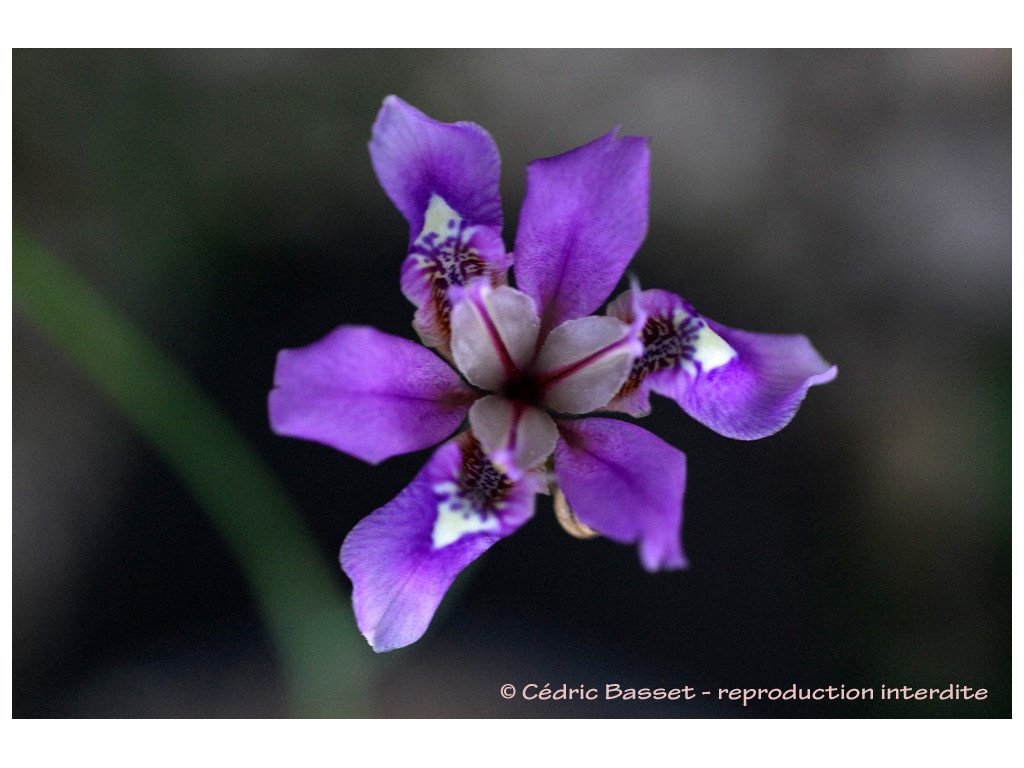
[[225, 203]]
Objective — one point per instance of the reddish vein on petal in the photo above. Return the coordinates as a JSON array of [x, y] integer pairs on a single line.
[[517, 415], [568, 370], [492, 331]]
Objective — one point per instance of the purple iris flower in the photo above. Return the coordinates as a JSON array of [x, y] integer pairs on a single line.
[[524, 365]]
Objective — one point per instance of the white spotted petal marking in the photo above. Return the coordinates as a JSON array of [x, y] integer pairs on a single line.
[[447, 254], [440, 237], [457, 517], [709, 350]]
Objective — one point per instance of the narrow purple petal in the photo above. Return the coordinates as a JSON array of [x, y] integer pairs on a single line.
[[403, 557], [416, 157], [626, 484], [367, 393], [742, 385], [584, 216]]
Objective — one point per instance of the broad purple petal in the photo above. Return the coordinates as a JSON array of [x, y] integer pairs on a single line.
[[403, 557], [626, 484], [742, 385], [758, 393], [367, 393], [584, 216], [416, 157], [443, 177]]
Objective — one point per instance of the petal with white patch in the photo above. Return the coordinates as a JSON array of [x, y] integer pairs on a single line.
[[416, 157], [448, 254], [742, 385], [403, 557], [443, 177]]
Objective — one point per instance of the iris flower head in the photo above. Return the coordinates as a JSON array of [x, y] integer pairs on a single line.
[[527, 378]]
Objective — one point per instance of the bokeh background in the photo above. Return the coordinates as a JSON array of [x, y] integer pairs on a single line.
[[224, 204]]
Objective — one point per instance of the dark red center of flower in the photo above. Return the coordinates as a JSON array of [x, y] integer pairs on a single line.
[[522, 388]]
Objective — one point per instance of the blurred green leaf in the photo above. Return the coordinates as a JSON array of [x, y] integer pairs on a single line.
[[296, 590]]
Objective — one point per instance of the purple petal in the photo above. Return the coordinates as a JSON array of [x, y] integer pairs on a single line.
[[443, 177], [447, 255], [367, 393], [742, 385], [403, 557], [584, 216], [626, 484], [416, 157]]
